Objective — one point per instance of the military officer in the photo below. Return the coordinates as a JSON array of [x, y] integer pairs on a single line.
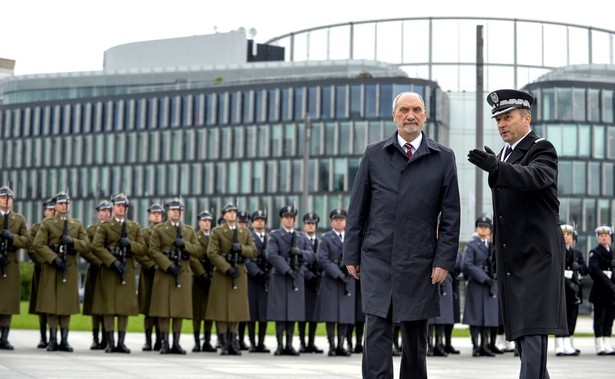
[[601, 266], [57, 242], [288, 251], [258, 284], [229, 246], [103, 213], [312, 274], [118, 244], [335, 304], [14, 237], [146, 280], [171, 245], [203, 270], [48, 212], [242, 220]]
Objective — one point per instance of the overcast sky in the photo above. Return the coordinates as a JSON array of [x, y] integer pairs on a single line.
[[71, 35]]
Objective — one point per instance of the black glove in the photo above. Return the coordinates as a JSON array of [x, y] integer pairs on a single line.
[[179, 243], [344, 278], [575, 265], [125, 243], [7, 235], [485, 160], [233, 273], [236, 248], [59, 264], [67, 241], [574, 287], [292, 274], [295, 251], [118, 266], [489, 282], [174, 270]]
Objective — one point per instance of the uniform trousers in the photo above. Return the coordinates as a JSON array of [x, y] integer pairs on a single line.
[[533, 355]]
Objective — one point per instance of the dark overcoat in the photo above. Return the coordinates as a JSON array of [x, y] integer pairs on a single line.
[[111, 297], [529, 246], [55, 296], [225, 303], [392, 223], [168, 300], [572, 276], [258, 280], [10, 284], [482, 306], [600, 268], [335, 302], [312, 275], [286, 304]]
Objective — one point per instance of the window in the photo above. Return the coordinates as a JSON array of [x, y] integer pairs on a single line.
[[340, 102], [356, 100], [578, 104]]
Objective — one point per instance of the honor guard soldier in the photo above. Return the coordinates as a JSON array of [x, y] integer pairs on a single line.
[[312, 274], [242, 220], [171, 245], [48, 212], [335, 304], [118, 244], [481, 306], [103, 213], [14, 237], [203, 271], [601, 266], [288, 251], [574, 268], [146, 280], [258, 284], [229, 246], [57, 242]]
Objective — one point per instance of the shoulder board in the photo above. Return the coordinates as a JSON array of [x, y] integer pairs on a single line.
[[540, 139]]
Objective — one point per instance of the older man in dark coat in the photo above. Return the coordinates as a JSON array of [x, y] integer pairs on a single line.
[[529, 246], [393, 242]]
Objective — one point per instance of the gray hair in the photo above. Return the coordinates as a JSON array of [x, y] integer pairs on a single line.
[[407, 93]]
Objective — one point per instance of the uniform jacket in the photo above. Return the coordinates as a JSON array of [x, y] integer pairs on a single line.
[[111, 297], [312, 275], [603, 288], [529, 245], [392, 222], [575, 271], [55, 296], [10, 285], [258, 279], [286, 304], [200, 265], [167, 299], [335, 302], [91, 274], [226, 303], [146, 277], [482, 301], [36, 273]]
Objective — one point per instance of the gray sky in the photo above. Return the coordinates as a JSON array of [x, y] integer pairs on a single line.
[[71, 35]]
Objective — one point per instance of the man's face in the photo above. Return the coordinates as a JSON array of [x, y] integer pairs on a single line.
[[104, 214], [243, 224], [484, 232], [513, 125], [174, 214], [288, 222], [568, 238], [49, 212], [230, 217], [410, 116], [155, 217], [338, 224], [258, 224], [205, 225], [61, 209], [119, 210], [309, 228], [604, 239], [5, 202]]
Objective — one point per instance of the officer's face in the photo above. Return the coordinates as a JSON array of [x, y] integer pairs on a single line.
[[119, 210], [309, 228], [104, 214], [513, 125], [155, 217], [230, 217], [483, 232], [258, 224], [243, 224], [568, 238], [61, 209], [205, 225], [288, 221], [604, 239], [5, 202], [338, 223], [174, 214], [410, 116], [49, 212]]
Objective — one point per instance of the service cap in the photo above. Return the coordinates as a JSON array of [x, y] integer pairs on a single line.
[[120, 198], [259, 214], [505, 100], [155, 207], [6, 191], [338, 213], [566, 228], [483, 221], [604, 230], [288, 210], [229, 207], [174, 203], [48, 204], [61, 197], [311, 217], [105, 204], [205, 215], [243, 216]]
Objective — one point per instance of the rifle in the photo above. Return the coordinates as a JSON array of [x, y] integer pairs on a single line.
[[295, 260], [122, 251], [177, 257], [233, 256], [5, 247], [263, 263], [63, 249]]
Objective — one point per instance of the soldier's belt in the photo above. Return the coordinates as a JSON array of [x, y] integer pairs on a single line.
[[568, 274], [56, 249], [117, 252], [172, 255], [240, 258]]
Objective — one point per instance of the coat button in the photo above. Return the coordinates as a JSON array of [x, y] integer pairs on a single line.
[[504, 245], [508, 274]]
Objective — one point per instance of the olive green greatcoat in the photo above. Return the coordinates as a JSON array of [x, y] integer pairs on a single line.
[[36, 273], [146, 278], [91, 274], [225, 303], [167, 299], [111, 297], [199, 296], [10, 285], [56, 297]]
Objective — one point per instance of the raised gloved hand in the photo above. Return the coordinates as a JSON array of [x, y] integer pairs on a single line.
[[7, 235], [174, 270], [344, 278], [67, 240], [485, 160], [489, 282], [179, 243], [295, 251], [118, 266], [292, 274], [59, 264], [236, 248], [233, 272]]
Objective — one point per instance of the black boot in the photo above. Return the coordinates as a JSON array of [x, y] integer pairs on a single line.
[[241, 337], [234, 347], [262, 331], [197, 342], [176, 348], [332, 350], [289, 349], [148, 340], [280, 349], [311, 347], [474, 331], [158, 342], [64, 346], [120, 347], [110, 342], [340, 351], [103, 339], [43, 342], [95, 342], [484, 344], [438, 349], [303, 347], [207, 347], [4, 339], [53, 339], [224, 343], [164, 343]]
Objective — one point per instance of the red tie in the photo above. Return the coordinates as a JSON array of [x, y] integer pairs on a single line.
[[408, 146]]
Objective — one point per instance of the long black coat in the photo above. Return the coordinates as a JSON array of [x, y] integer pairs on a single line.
[[258, 280], [482, 305], [392, 223], [529, 246], [603, 287]]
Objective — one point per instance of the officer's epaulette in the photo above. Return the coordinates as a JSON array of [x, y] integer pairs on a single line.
[[540, 139]]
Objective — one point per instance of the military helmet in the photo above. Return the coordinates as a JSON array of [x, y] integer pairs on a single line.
[[288, 210], [311, 217], [229, 207], [205, 215], [155, 207], [105, 204], [120, 198], [259, 214], [174, 203], [61, 197], [243, 216], [604, 229], [6, 191], [338, 213], [483, 221]]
